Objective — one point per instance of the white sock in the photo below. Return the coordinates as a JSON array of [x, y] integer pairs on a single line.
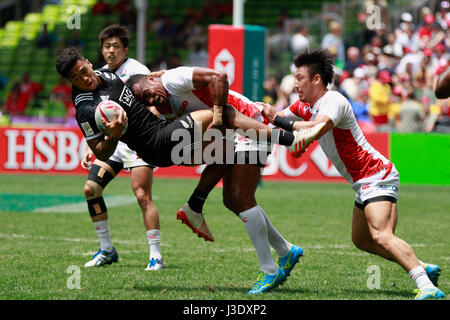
[[421, 279], [422, 263], [256, 227], [276, 240], [102, 228], [154, 240]]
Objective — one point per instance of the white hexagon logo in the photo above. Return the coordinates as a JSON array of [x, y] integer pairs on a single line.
[[224, 62]]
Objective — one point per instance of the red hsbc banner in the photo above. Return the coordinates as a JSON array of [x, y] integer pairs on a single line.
[[56, 151], [226, 53]]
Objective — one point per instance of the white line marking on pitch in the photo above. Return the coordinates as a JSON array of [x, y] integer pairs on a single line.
[[77, 207]]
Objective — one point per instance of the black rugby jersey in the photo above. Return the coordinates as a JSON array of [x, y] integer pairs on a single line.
[[143, 125]]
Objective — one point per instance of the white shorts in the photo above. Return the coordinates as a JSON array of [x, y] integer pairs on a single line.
[[242, 143], [381, 186], [128, 157]]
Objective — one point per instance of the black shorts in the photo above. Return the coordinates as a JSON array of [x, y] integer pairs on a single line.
[[175, 143]]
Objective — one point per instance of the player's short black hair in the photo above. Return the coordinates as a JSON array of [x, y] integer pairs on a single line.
[[115, 30], [135, 79], [318, 61], [66, 59]]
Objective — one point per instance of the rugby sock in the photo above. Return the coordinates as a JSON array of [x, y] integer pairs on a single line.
[[282, 137], [197, 200], [154, 240], [256, 227], [102, 228], [419, 276], [276, 240]]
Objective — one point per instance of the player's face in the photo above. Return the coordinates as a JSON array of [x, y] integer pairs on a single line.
[[82, 76], [151, 92], [303, 84], [113, 52]]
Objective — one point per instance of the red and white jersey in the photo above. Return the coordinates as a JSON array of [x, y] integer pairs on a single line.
[[299, 109], [345, 145], [184, 98]]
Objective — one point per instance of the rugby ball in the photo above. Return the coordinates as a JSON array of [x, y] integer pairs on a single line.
[[105, 110]]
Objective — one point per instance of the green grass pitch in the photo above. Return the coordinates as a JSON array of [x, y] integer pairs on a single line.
[[45, 231]]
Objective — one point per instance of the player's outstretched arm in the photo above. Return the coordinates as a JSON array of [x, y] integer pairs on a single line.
[[309, 124]]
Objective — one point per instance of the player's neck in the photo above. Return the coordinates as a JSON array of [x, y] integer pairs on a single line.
[[319, 94]]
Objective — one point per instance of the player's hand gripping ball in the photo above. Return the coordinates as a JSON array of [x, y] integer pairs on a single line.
[[105, 110]]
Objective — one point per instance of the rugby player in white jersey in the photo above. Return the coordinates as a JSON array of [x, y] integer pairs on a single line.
[[373, 177], [186, 89], [114, 41]]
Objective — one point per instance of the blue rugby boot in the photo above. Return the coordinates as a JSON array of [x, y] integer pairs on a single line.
[[288, 262], [266, 281]]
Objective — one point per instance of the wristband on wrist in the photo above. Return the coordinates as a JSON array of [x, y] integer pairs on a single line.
[[284, 123]]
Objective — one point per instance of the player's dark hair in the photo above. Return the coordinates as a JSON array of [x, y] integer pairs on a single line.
[[318, 61], [135, 79], [66, 59], [117, 31]]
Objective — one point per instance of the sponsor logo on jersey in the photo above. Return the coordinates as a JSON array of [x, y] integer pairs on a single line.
[[126, 96], [366, 186], [87, 129], [388, 187]]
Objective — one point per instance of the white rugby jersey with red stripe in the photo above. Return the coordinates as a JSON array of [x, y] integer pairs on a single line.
[[345, 145], [184, 98]]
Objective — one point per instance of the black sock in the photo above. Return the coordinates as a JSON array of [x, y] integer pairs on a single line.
[[197, 200], [285, 138]]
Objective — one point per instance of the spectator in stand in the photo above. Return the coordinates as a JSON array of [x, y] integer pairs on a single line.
[[16, 103], [101, 8], [300, 40], [380, 99], [354, 85], [411, 114], [21, 94], [354, 59], [45, 39], [423, 79], [333, 41], [198, 55], [432, 113], [127, 12], [62, 92], [441, 55], [393, 48]]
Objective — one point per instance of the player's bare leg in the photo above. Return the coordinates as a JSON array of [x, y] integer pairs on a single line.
[[141, 182], [381, 221], [100, 175]]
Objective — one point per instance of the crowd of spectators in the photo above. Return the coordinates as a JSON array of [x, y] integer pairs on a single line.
[[390, 79]]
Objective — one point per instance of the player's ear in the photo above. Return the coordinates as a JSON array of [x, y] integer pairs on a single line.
[[89, 63], [125, 51]]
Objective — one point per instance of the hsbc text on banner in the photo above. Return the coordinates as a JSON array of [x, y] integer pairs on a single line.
[[58, 151]]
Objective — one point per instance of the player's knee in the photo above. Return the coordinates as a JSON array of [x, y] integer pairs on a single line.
[[92, 190], [382, 238], [142, 197]]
